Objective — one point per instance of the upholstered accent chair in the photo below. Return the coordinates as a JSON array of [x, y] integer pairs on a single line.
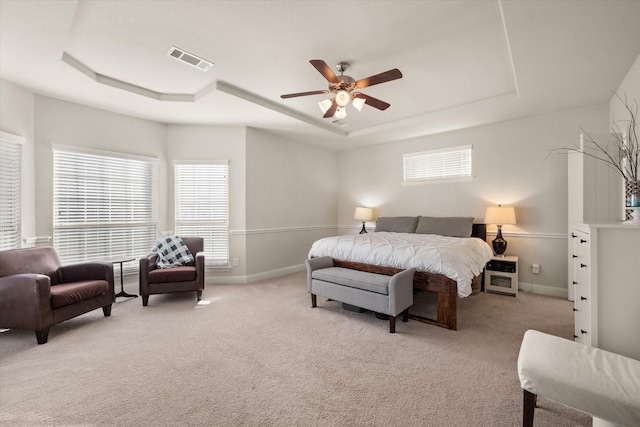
[[154, 280], [37, 291]]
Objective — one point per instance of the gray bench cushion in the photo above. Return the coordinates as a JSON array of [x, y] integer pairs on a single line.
[[354, 279]]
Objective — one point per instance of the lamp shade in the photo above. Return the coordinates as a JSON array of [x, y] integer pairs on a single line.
[[340, 113], [363, 214], [358, 103], [342, 98], [325, 105], [500, 215]]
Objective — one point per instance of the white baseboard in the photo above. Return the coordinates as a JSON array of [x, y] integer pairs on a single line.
[[543, 290], [241, 280], [275, 273]]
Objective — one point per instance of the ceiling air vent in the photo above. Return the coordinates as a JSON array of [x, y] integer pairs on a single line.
[[340, 123], [189, 58]]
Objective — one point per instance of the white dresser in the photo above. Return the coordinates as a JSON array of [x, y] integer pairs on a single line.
[[606, 281], [594, 195], [581, 283]]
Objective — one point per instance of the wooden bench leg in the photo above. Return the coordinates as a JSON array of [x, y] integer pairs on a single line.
[[392, 324], [405, 315], [313, 300], [528, 407]]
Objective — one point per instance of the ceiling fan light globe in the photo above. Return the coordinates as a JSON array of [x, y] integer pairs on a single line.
[[324, 105], [358, 103], [340, 113], [342, 98]]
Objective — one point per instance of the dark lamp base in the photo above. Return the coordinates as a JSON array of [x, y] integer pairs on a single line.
[[364, 230], [499, 244]]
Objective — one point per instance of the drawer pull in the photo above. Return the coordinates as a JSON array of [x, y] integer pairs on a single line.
[[583, 241], [573, 235], [575, 283], [575, 309], [575, 256], [583, 265], [583, 298], [575, 337], [582, 331]]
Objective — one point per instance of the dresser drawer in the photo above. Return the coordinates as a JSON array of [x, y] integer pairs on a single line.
[[582, 305], [582, 330]]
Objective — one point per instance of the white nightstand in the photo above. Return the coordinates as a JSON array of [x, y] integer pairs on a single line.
[[501, 275]]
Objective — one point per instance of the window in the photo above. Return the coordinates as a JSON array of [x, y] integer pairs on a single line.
[[104, 207], [10, 172], [445, 164], [202, 206]]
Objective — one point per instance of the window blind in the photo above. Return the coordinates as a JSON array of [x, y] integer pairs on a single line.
[[202, 206], [442, 164], [10, 173], [105, 207]]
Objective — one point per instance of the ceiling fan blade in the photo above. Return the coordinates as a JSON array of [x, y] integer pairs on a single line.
[[379, 78], [313, 92], [325, 70], [374, 102], [332, 110]]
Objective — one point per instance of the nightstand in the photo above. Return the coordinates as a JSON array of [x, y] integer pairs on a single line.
[[501, 275]]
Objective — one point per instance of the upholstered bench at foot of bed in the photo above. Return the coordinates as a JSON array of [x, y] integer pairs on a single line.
[[390, 295], [597, 382]]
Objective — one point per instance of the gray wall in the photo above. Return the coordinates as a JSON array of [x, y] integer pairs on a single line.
[[510, 167], [291, 201]]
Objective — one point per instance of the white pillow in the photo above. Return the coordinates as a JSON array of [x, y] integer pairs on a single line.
[[172, 252]]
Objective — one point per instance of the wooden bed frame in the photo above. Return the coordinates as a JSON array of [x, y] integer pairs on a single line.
[[445, 288]]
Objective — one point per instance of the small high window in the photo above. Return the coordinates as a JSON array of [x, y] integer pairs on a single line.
[[445, 164]]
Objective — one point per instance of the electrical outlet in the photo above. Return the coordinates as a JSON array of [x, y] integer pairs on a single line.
[[535, 268], [235, 262]]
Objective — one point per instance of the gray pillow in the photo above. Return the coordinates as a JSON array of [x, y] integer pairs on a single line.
[[445, 226], [397, 224]]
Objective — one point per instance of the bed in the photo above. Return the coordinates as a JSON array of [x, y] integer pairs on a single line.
[[449, 254]]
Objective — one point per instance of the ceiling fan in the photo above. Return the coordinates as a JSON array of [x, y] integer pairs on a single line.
[[344, 88]]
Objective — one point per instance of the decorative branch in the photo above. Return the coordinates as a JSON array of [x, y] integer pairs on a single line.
[[621, 152]]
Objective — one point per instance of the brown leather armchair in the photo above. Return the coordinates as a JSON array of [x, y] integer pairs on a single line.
[[36, 291], [154, 280]]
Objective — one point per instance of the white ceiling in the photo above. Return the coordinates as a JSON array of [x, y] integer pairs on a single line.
[[464, 63]]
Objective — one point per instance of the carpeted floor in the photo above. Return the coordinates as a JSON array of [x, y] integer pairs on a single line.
[[259, 355]]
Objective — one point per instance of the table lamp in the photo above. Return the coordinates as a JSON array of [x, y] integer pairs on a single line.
[[364, 215], [500, 215]]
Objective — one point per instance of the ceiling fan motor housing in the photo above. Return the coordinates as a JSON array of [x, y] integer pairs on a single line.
[[346, 83]]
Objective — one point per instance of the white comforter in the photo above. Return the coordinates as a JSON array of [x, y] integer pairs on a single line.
[[460, 259]]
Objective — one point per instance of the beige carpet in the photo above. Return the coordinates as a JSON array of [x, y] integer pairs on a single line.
[[259, 355]]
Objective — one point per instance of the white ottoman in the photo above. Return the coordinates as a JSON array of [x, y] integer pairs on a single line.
[[597, 382]]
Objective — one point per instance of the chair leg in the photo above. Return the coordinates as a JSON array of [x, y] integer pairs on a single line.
[[313, 300], [529, 405], [42, 335], [107, 310], [392, 324], [199, 294], [145, 300]]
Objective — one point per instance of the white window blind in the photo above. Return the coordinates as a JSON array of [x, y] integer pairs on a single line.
[[104, 207], [443, 164], [10, 172], [202, 206]]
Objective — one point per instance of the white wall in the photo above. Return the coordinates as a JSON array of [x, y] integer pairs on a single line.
[[187, 142], [510, 167], [64, 123], [291, 201], [630, 87], [16, 117]]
